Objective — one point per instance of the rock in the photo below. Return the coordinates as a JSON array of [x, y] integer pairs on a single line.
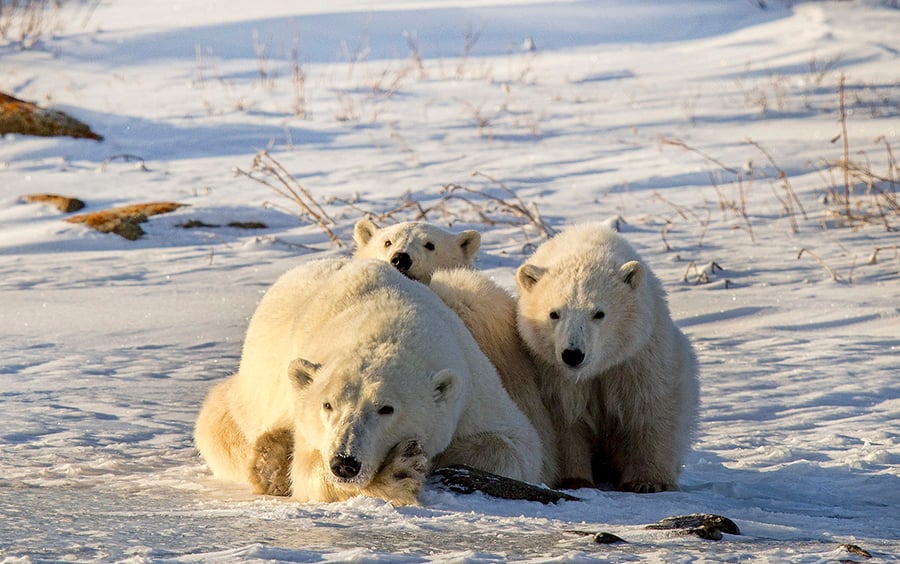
[[465, 479], [64, 204], [705, 526], [855, 549], [124, 221], [248, 225], [608, 538], [19, 116]]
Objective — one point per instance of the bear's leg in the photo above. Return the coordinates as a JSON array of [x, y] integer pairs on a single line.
[[576, 447], [219, 439], [493, 453], [271, 464], [401, 477], [645, 456]]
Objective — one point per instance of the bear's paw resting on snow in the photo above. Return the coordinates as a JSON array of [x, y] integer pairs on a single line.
[[416, 249], [374, 381], [618, 376]]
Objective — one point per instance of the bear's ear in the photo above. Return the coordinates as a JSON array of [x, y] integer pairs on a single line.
[[445, 385], [528, 275], [301, 371], [469, 242], [363, 232], [632, 273]]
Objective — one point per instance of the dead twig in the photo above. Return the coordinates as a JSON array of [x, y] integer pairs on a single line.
[[269, 172], [834, 275]]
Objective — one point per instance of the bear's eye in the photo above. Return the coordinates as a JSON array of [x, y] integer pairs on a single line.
[[387, 243], [554, 314], [599, 314], [326, 406], [386, 410], [429, 245]]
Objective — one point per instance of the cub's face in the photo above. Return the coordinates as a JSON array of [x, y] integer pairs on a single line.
[[580, 320], [353, 420], [416, 249]]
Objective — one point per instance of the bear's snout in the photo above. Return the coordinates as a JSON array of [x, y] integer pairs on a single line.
[[345, 467], [573, 357], [401, 261]]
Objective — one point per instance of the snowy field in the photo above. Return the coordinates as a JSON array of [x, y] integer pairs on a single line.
[[711, 129]]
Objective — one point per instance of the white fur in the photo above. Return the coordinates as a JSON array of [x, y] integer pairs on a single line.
[[417, 249], [627, 410], [358, 336], [489, 312]]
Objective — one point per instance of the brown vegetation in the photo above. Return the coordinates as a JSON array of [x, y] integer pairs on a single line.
[[123, 221], [19, 116]]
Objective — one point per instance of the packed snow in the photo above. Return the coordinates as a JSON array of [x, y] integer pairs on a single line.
[[710, 132]]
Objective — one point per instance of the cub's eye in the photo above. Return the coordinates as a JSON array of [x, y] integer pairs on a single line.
[[554, 315], [326, 406], [599, 314], [386, 410], [429, 245], [387, 243]]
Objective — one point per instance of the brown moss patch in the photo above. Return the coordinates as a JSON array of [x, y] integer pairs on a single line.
[[124, 221], [64, 204], [19, 116]]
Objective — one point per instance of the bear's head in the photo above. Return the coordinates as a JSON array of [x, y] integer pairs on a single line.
[[353, 411], [583, 317], [416, 249]]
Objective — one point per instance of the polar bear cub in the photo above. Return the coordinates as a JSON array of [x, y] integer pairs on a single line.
[[375, 380], [618, 376], [416, 249]]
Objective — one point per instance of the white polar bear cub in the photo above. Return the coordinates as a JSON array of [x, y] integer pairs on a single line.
[[618, 375], [376, 379], [415, 248]]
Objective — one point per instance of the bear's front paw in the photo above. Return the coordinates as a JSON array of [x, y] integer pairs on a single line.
[[647, 486], [271, 463], [401, 477]]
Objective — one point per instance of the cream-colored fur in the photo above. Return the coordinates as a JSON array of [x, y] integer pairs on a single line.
[[489, 312], [416, 249], [617, 374], [375, 378]]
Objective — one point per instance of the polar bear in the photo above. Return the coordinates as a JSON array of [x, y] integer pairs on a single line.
[[487, 310], [489, 313], [618, 376], [415, 248], [372, 380]]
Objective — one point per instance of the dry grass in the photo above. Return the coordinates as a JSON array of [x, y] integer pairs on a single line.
[[27, 22]]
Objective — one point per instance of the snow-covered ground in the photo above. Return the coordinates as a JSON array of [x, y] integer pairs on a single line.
[[709, 128]]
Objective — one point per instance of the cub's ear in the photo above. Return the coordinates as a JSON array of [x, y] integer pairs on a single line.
[[632, 273], [363, 232], [528, 275], [469, 242], [445, 385], [301, 371]]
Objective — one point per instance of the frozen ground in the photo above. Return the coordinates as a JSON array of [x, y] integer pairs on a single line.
[[108, 346]]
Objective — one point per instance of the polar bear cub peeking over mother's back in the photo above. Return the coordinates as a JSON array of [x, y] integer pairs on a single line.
[[618, 376], [415, 248], [375, 380]]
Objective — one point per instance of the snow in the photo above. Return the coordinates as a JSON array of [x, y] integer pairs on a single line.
[[645, 111]]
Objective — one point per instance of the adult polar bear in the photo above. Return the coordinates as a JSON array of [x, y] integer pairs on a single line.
[[373, 375], [618, 375]]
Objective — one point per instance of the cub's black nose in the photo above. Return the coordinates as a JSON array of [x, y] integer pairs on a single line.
[[401, 261], [572, 357], [345, 467]]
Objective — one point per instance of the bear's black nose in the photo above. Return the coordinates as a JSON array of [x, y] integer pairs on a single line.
[[401, 261], [572, 357], [345, 467]]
